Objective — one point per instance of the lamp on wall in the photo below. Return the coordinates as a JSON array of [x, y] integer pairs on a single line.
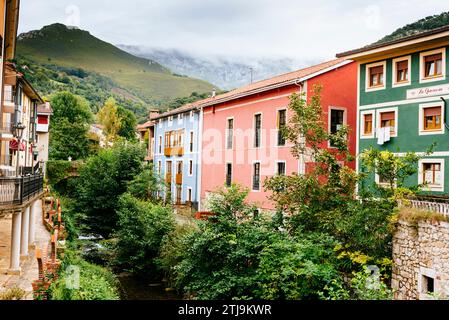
[[18, 130]]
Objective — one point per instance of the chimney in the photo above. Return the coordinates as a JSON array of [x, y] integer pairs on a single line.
[[153, 113], [214, 93]]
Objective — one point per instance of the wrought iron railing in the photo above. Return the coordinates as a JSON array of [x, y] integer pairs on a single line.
[[19, 190]]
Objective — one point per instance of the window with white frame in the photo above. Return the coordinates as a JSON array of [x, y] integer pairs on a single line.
[[401, 71], [189, 194], [431, 174], [160, 144], [229, 133], [257, 130], [388, 118], [367, 124], [337, 119], [281, 168], [191, 168], [431, 117], [375, 76], [256, 176], [432, 65], [191, 142], [228, 174]]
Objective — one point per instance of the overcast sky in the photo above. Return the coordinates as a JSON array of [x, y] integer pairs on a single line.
[[312, 29]]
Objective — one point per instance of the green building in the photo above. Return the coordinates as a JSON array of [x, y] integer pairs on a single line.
[[403, 90]]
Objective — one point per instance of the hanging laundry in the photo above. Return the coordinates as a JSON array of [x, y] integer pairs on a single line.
[[387, 134], [380, 132]]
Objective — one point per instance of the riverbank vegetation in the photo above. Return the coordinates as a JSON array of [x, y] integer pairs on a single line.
[[321, 243]]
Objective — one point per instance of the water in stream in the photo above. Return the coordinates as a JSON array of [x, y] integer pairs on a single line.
[[136, 289]]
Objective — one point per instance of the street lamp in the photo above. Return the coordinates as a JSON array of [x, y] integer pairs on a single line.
[[18, 134]]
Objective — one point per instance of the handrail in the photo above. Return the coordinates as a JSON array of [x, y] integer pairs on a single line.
[[19, 190]]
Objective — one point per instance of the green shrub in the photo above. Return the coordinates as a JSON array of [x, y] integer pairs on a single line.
[[95, 282], [141, 229]]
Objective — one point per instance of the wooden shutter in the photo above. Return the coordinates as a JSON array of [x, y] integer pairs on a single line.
[[433, 57], [402, 65], [434, 111], [377, 70], [387, 116]]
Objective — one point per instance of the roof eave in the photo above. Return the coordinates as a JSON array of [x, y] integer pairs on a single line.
[[403, 43], [277, 85]]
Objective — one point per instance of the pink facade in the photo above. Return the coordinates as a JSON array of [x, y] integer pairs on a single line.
[[264, 107]]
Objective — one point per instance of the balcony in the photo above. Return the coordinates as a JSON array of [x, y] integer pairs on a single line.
[[8, 100], [175, 151], [179, 178], [15, 191]]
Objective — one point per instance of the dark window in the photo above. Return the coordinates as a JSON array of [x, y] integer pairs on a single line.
[[190, 167], [257, 133], [256, 177], [281, 168], [189, 195], [337, 120], [282, 121], [428, 284], [191, 141], [228, 174], [230, 133]]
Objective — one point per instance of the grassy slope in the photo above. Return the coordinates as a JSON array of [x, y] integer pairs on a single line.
[[59, 45]]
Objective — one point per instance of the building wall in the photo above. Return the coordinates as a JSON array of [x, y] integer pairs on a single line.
[[409, 137], [339, 90], [189, 124], [420, 251]]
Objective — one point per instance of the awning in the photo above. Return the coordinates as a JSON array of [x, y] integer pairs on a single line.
[[14, 145]]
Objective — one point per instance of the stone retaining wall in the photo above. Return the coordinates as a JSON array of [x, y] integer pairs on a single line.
[[421, 260]]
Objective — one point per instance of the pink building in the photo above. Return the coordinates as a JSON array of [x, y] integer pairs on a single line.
[[241, 141]]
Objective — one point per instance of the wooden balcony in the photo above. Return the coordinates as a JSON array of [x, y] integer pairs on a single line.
[[175, 151], [179, 178], [168, 178]]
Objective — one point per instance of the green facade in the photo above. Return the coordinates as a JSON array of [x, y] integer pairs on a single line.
[[408, 114]]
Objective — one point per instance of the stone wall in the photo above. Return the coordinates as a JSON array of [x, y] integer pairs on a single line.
[[421, 260]]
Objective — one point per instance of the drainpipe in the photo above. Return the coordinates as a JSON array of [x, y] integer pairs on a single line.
[[445, 113]]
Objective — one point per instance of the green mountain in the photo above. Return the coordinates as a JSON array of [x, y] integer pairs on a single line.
[[423, 25], [60, 58]]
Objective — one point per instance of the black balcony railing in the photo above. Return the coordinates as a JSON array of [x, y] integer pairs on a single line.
[[17, 191]]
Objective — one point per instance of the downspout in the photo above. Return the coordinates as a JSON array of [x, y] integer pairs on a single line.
[[445, 113], [199, 156]]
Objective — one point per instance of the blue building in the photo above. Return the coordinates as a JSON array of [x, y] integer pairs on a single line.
[[177, 153]]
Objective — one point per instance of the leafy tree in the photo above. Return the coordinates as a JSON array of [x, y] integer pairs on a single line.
[[69, 127], [108, 116], [145, 185], [102, 180], [72, 108], [140, 232], [128, 123]]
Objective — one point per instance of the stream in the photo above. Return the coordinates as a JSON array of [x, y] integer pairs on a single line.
[[130, 288]]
